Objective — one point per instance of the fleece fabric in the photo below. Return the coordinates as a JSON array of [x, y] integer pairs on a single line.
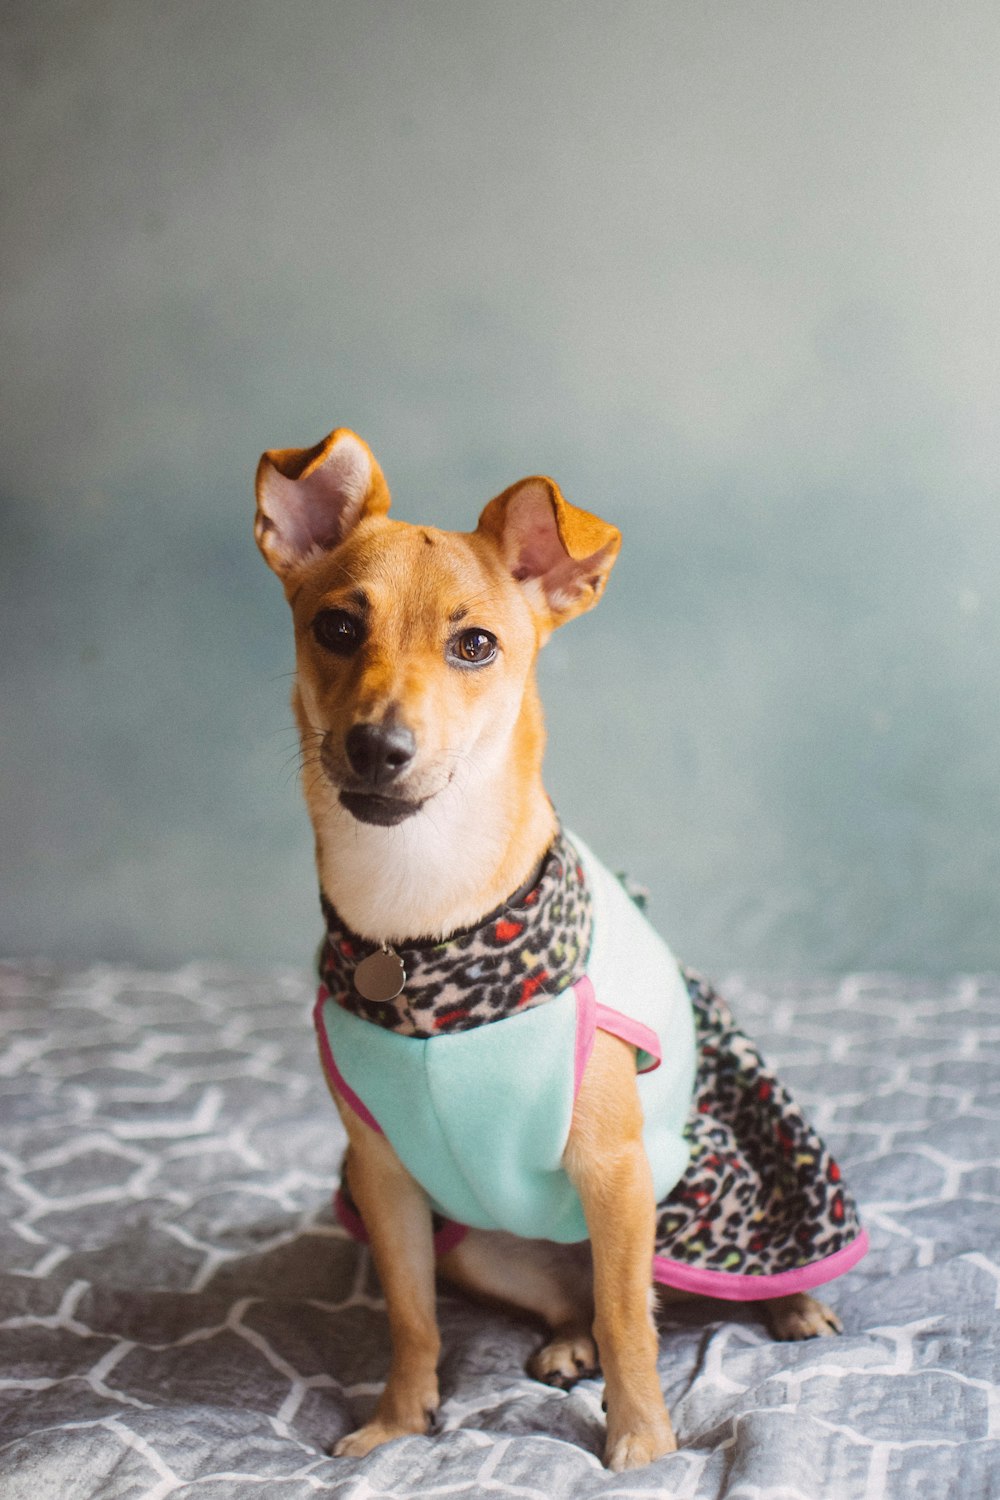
[[750, 1203], [481, 1118]]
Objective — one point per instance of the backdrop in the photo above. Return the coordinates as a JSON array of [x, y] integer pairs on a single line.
[[727, 271]]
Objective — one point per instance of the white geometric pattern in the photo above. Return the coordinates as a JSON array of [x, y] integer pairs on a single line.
[[179, 1316]]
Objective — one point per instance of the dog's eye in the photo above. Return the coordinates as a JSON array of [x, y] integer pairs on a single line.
[[337, 631], [474, 648]]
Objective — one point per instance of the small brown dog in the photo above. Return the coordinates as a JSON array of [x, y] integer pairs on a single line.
[[446, 907]]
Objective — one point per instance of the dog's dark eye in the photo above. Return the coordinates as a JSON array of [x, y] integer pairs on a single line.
[[474, 648], [337, 631]]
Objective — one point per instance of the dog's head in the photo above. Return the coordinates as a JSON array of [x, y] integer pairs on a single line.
[[415, 647]]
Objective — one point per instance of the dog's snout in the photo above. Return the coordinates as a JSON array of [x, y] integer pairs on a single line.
[[378, 753]]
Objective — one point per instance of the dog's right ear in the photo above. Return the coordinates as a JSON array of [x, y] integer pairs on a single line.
[[308, 499]]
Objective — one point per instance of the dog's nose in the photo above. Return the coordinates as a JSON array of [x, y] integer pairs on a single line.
[[379, 752]]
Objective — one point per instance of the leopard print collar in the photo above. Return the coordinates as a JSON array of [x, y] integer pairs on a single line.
[[531, 948]]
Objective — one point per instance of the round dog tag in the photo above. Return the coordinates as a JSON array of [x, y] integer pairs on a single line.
[[380, 976]]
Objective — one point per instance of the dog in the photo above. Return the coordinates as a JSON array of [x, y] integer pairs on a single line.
[[519, 1064]]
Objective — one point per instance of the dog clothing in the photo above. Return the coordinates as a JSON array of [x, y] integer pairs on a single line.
[[473, 1069]]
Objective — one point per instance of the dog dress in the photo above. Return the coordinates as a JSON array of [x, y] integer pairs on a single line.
[[472, 1071]]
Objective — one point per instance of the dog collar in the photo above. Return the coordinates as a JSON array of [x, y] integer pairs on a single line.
[[532, 947]]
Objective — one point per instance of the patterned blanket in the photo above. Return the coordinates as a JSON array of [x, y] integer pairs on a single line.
[[180, 1315]]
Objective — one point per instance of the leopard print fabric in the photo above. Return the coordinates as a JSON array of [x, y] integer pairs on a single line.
[[761, 1194], [530, 949]]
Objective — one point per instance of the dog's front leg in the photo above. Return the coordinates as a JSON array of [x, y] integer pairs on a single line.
[[397, 1217], [606, 1160]]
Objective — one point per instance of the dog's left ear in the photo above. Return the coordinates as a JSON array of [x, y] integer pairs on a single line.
[[562, 554], [308, 499]]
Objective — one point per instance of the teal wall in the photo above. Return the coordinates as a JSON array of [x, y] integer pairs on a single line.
[[728, 271]]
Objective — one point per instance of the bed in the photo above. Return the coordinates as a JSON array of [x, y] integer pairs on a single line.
[[181, 1315]]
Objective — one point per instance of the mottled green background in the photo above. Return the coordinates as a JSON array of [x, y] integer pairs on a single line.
[[728, 271]]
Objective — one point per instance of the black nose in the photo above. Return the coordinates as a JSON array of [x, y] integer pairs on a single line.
[[379, 752]]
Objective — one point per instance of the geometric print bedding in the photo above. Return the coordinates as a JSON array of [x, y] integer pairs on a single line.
[[180, 1315]]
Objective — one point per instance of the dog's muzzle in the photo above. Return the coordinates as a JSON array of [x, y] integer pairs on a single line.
[[377, 755]]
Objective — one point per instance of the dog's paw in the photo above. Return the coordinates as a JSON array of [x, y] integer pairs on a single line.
[[375, 1433], [635, 1449], [801, 1317], [563, 1361], [357, 1444]]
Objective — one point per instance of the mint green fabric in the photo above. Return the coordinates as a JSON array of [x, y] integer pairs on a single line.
[[480, 1118], [634, 972]]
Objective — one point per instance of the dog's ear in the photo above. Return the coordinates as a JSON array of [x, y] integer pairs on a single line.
[[562, 554], [308, 499]]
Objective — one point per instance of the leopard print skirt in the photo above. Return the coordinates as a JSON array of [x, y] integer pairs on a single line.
[[761, 1195]]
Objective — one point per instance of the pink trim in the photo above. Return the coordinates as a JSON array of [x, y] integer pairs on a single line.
[[733, 1288], [592, 1017], [631, 1031], [351, 1221], [719, 1284], [586, 1025], [447, 1237], [330, 1067]]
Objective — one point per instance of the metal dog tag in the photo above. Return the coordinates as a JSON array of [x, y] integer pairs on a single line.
[[380, 976]]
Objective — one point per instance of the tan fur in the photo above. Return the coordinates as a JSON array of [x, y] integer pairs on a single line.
[[398, 1222], [533, 563], [606, 1160]]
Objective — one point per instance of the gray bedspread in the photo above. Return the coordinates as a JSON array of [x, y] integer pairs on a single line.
[[181, 1317]]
